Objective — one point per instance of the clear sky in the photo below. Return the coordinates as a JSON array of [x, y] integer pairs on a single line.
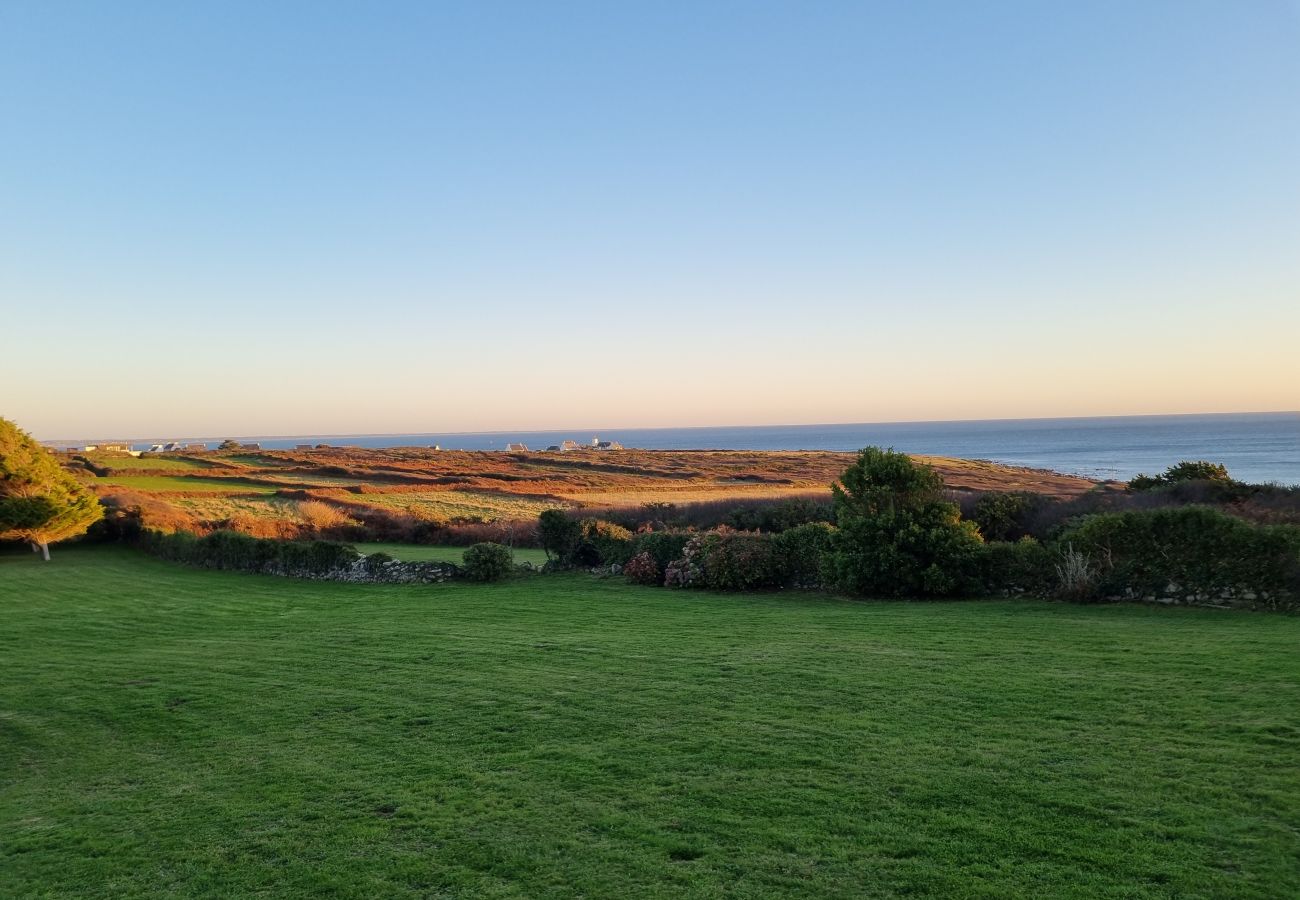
[[278, 218]]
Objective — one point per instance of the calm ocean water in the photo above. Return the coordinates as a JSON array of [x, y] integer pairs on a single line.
[[1257, 447]]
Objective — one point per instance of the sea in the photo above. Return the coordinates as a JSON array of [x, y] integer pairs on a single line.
[[1256, 447]]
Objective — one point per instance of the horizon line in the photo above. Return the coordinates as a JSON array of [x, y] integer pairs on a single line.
[[385, 434]]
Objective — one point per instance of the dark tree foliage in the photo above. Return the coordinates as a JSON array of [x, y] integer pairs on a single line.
[[1181, 473], [897, 537], [559, 534]]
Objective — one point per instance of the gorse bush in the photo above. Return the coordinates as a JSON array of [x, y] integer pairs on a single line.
[[896, 537], [487, 562]]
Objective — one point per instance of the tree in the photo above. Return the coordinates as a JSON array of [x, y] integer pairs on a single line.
[[229, 444], [897, 536], [39, 502], [1181, 473], [559, 534]]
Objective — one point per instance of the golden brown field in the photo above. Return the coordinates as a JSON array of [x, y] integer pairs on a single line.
[[265, 492]]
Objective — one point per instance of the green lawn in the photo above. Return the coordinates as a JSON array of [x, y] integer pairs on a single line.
[[421, 552], [119, 462], [165, 483], [177, 732]]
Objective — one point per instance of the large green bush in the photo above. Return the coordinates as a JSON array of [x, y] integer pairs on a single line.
[[487, 562], [559, 534], [1194, 553], [897, 537]]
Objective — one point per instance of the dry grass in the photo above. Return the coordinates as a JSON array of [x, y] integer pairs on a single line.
[[431, 485]]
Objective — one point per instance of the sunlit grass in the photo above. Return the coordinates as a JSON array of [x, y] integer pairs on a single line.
[[124, 463], [458, 504], [179, 483]]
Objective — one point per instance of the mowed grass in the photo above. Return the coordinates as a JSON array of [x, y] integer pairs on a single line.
[[425, 553], [180, 483], [167, 731]]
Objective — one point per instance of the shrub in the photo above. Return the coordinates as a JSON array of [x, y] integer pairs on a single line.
[[1018, 567], [321, 517], [559, 534], [240, 552], [801, 550], [643, 569], [896, 537], [1185, 471], [488, 562], [726, 560], [1194, 552], [664, 546], [603, 543], [1005, 516], [1076, 576], [741, 561]]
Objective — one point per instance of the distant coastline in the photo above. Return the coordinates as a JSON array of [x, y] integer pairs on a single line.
[[1263, 447]]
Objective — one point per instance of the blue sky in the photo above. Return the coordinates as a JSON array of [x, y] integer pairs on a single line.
[[332, 218]]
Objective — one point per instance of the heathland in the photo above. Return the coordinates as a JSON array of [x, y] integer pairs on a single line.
[[174, 731], [394, 493]]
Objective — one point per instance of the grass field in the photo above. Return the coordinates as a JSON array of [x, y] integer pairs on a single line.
[[180, 483], [424, 553], [174, 732], [152, 462], [458, 504]]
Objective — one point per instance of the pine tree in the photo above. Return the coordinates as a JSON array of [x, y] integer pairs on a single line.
[[39, 501]]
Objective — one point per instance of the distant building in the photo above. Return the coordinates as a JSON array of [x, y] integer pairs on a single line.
[[516, 448], [435, 447], [250, 446], [90, 448], [566, 446], [115, 448], [605, 445], [196, 446], [302, 446]]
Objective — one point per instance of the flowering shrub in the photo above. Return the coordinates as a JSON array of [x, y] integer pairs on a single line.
[[643, 569], [726, 560]]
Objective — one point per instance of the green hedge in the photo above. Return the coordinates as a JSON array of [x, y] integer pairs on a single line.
[[1193, 553], [240, 552]]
